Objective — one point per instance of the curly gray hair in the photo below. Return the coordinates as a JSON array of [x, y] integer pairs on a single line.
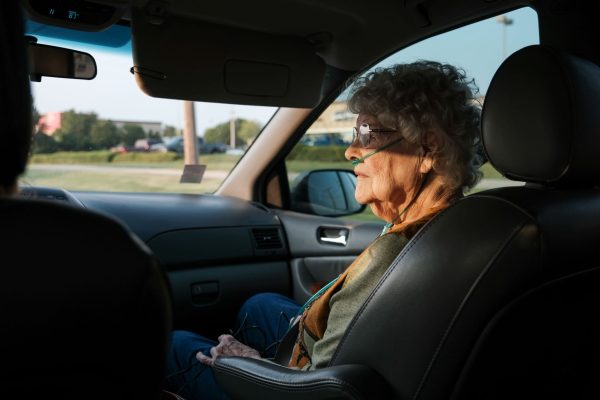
[[428, 97]]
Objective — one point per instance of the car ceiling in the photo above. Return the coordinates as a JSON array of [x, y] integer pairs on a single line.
[[309, 38], [347, 34]]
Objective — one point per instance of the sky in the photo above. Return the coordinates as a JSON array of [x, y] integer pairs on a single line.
[[113, 94]]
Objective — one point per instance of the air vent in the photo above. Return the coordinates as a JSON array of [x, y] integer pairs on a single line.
[[267, 238]]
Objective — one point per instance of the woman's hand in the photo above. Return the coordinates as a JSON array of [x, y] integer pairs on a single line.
[[228, 346]]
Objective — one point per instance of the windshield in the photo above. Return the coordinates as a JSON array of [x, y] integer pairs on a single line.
[[105, 134]]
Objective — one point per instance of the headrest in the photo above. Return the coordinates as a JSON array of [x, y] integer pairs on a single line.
[[540, 121], [15, 98]]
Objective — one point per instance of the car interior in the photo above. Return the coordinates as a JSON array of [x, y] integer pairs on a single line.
[[494, 298]]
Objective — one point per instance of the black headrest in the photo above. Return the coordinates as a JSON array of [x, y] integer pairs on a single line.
[[15, 98], [540, 119]]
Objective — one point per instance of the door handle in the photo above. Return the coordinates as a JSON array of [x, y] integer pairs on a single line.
[[336, 236]]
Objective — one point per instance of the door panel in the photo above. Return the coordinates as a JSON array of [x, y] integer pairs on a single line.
[[314, 260]]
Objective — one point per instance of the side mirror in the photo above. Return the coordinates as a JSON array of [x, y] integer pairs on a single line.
[[325, 192], [59, 62]]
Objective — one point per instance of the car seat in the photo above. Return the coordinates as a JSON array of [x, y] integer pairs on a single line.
[[85, 309], [496, 297]]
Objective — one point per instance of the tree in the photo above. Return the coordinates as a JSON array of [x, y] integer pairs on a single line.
[[43, 144], [131, 133], [154, 135], [217, 134], [248, 131], [171, 131], [245, 132], [104, 135], [74, 133], [35, 115]]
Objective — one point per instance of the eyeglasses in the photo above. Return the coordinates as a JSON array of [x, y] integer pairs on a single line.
[[369, 138]]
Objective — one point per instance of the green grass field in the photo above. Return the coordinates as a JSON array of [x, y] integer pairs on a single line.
[[116, 182]]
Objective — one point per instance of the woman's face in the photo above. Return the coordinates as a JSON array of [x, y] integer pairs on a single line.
[[386, 180]]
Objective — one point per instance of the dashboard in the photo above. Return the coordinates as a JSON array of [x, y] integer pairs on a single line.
[[186, 230], [216, 250]]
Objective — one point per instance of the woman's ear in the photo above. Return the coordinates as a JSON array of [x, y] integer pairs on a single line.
[[430, 143], [426, 162]]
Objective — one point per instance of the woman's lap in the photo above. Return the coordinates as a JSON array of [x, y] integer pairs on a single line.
[[185, 375], [262, 321]]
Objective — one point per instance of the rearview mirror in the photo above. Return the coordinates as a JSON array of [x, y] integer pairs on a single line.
[[59, 62], [325, 192]]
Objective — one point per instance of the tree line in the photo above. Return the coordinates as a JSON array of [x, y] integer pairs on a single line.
[[87, 132]]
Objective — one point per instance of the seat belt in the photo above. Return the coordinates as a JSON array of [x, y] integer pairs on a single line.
[[286, 346]]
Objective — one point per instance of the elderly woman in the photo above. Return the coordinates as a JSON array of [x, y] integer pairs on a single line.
[[414, 152]]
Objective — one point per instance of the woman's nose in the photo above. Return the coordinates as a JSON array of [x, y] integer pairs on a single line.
[[352, 152]]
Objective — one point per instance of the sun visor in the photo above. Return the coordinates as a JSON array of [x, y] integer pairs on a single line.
[[180, 58]]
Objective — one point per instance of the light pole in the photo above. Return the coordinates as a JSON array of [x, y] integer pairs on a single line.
[[190, 141], [505, 21], [232, 129], [192, 171]]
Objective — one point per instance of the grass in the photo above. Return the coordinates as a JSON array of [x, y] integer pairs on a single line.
[[119, 176], [116, 182], [148, 160]]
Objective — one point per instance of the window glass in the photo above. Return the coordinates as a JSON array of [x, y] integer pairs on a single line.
[[479, 49], [105, 134]]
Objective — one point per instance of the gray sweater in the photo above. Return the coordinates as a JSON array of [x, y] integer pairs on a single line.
[[366, 272]]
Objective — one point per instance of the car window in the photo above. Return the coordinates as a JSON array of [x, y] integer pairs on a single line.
[[105, 134], [477, 48]]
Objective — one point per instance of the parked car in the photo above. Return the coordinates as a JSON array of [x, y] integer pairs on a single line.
[[238, 151], [146, 144], [121, 148], [522, 324], [176, 145], [141, 145], [324, 139]]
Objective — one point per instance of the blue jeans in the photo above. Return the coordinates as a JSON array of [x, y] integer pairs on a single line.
[[262, 321]]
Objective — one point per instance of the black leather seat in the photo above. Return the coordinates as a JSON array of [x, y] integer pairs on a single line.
[[84, 308], [499, 296]]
